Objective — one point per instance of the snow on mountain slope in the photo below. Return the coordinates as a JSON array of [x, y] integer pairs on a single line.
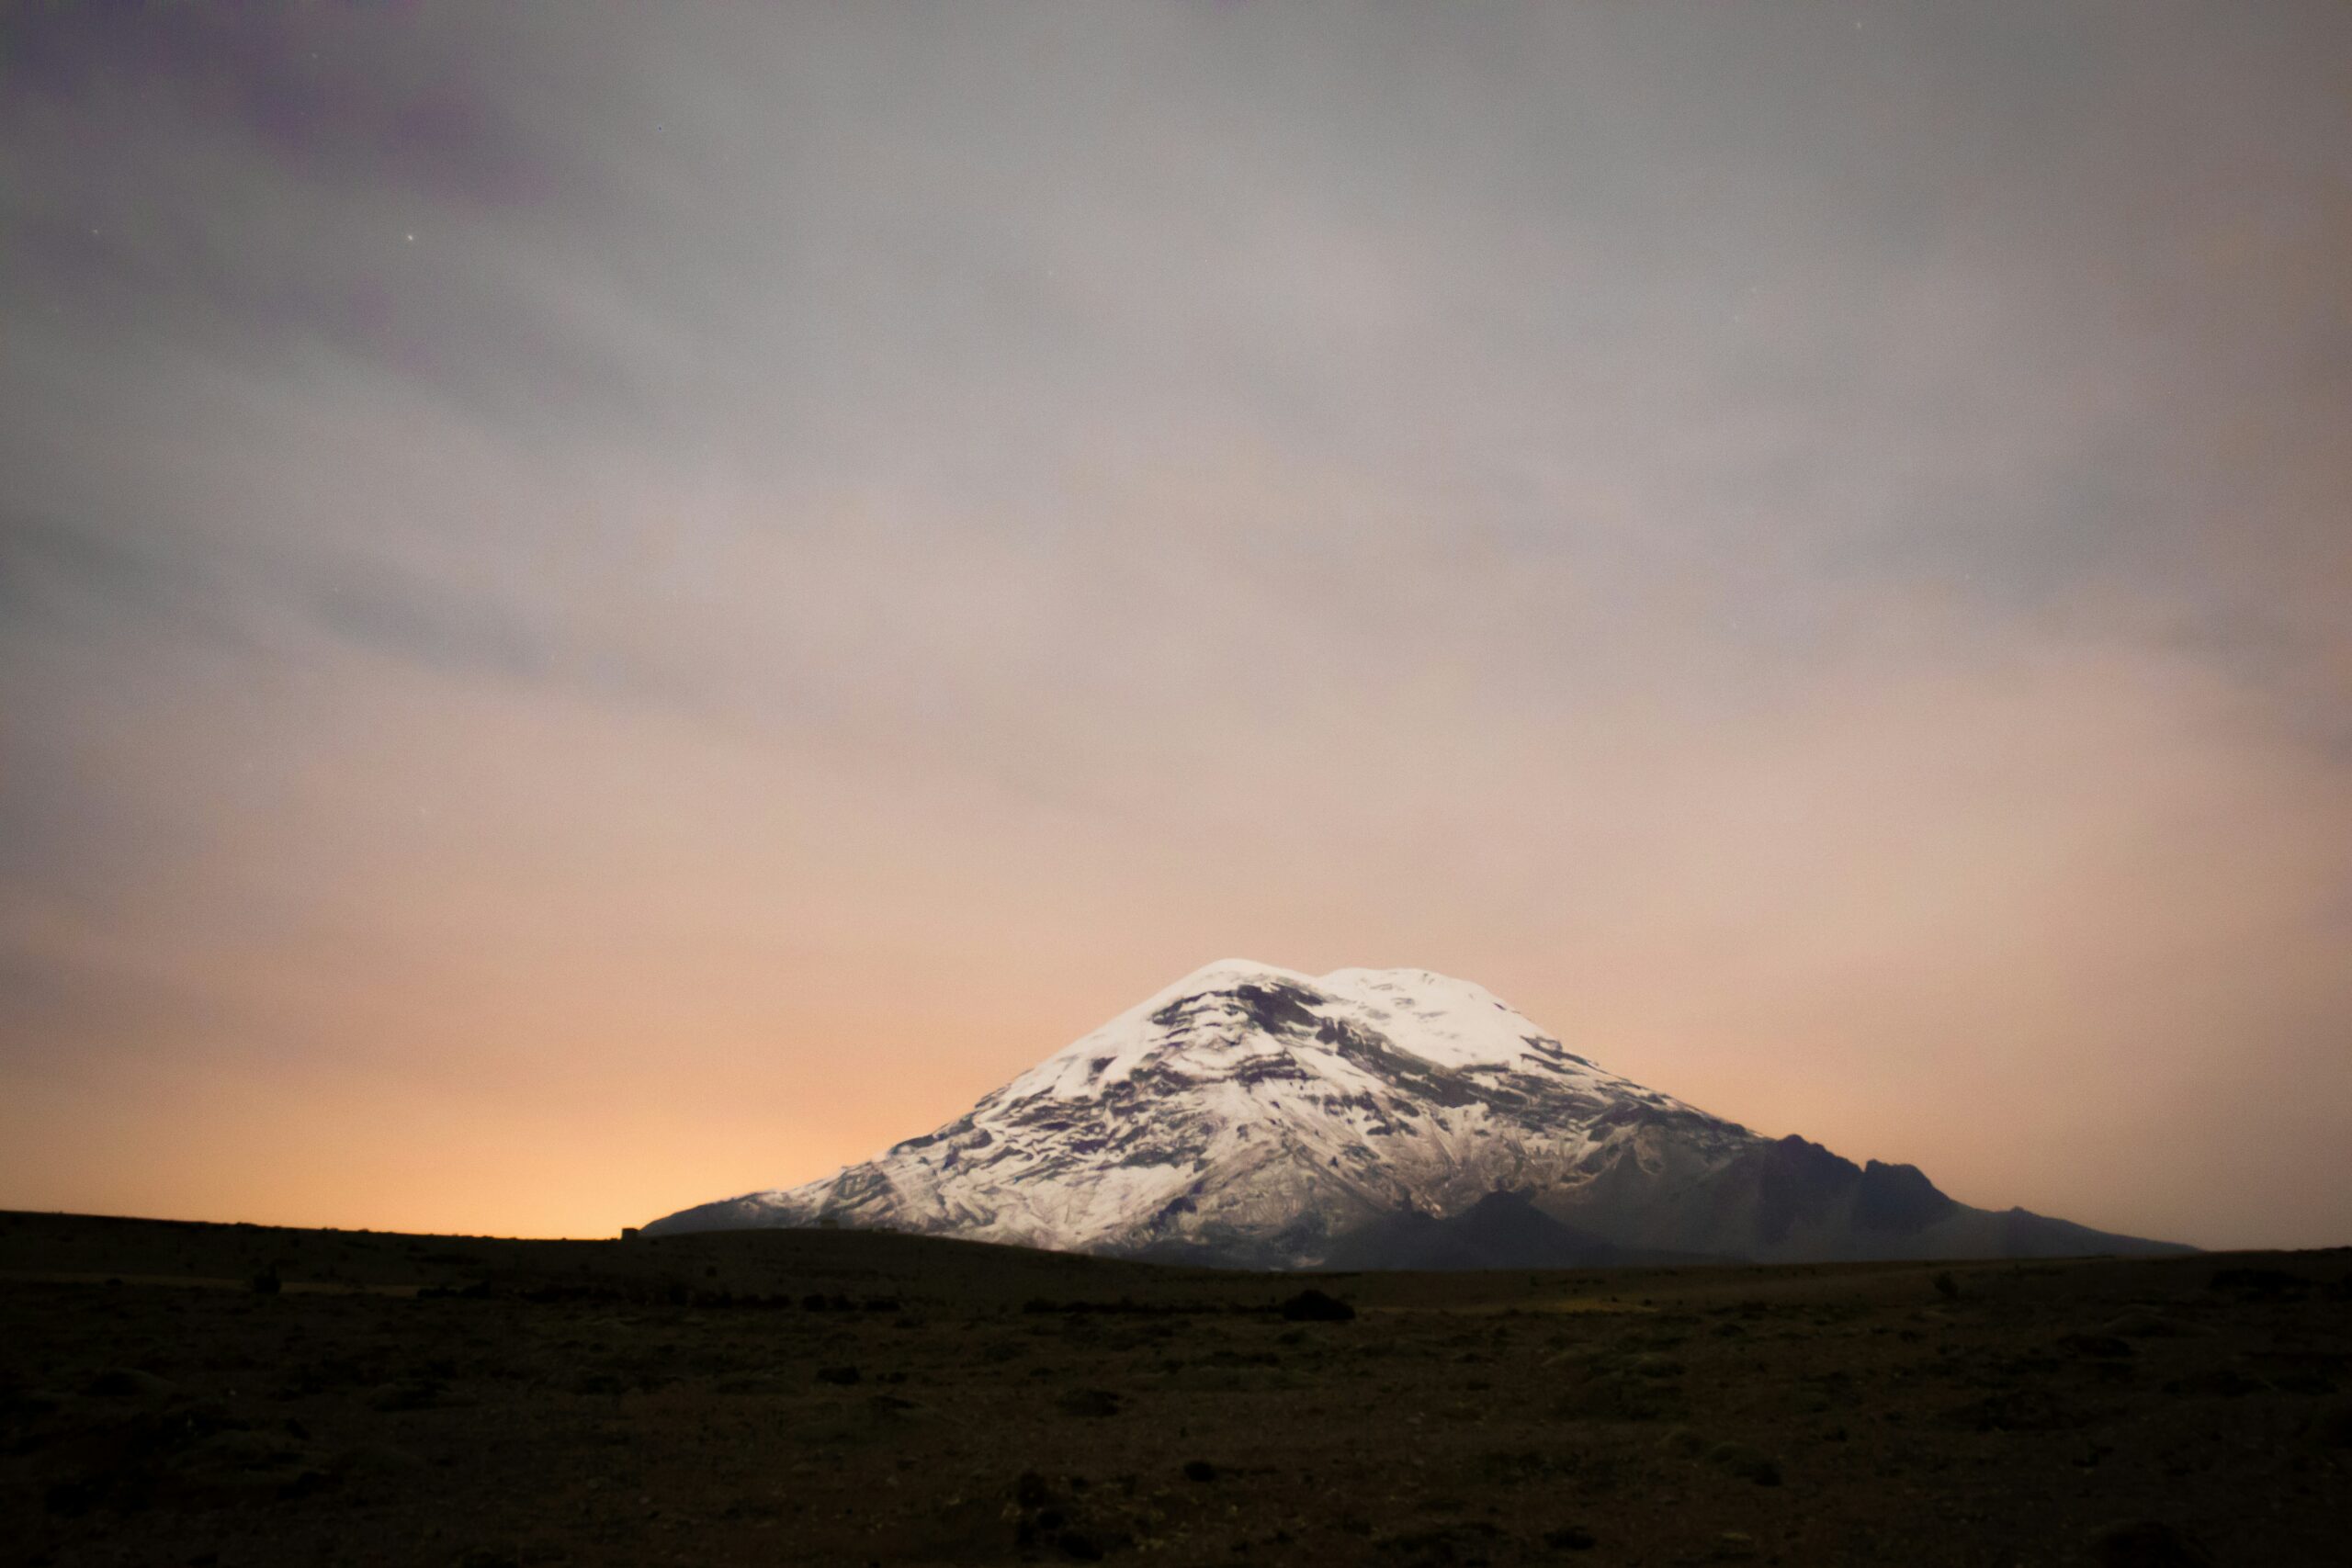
[[1250, 1116], [1255, 1114]]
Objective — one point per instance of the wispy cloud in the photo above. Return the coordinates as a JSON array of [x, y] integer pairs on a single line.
[[685, 555]]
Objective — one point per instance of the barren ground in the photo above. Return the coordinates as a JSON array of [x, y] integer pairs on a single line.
[[822, 1397]]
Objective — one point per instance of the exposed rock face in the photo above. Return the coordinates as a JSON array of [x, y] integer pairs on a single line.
[[1252, 1116]]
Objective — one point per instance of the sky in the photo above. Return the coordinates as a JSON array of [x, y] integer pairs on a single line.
[[607, 606]]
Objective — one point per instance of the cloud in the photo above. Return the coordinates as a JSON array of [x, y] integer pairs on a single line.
[[851, 543]]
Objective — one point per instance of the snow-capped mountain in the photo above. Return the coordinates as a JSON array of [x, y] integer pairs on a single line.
[[1250, 1115]]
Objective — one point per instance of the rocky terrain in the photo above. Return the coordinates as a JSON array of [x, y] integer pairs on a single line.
[[232, 1395], [1248, 1116]]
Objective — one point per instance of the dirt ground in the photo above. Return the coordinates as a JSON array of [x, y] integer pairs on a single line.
[[230, 1395]]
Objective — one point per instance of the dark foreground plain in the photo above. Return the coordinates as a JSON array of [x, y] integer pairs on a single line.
[[234, 1395]]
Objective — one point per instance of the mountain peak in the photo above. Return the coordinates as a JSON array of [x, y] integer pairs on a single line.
[[1222, 972], [1255, 1115]]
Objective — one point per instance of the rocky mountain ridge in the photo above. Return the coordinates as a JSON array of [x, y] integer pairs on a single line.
[[1253, 1116]]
